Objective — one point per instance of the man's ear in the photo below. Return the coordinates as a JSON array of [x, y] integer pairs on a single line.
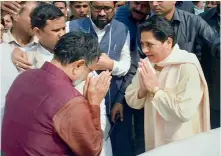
[[15, 17], [79, 63], [36, 32], [174, 2]]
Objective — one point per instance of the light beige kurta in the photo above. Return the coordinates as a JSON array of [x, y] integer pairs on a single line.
[[180, 108]]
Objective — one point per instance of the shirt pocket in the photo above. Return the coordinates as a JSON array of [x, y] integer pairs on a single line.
[[186, 45]]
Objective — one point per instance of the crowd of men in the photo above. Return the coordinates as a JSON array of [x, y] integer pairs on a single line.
[[107, 78]]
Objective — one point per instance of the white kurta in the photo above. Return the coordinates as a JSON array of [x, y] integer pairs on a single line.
[[180, 108], [8, 72]]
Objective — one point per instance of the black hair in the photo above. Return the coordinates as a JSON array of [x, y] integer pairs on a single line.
[[160, 27], [76, 45], [65, 4], [2, 22], [42, 13], [101, 1], [72, 2]]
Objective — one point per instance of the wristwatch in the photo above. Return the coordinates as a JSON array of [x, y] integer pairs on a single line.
[[154, 91]]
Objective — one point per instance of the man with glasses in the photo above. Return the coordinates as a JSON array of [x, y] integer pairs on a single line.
[[114, 41]]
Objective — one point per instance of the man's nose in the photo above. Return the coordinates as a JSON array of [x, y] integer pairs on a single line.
[[81, 9], [102, 12], [62, 32], [138, 7], [154, 3]]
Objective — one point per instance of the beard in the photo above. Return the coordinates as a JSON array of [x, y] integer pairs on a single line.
[[100, 21]]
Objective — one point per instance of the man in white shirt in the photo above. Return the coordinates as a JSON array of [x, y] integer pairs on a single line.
[[21, 34]]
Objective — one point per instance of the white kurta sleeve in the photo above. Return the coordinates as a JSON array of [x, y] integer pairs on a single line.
[[122, 66], [181, 103], [132, 92]]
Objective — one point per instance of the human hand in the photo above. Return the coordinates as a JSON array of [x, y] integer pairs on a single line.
[[148, 79], [104, 63], [20, 59], [96, 88], [11, 7], [118, 108]]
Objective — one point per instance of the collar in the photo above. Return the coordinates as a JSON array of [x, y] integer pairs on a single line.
[[10, 39], [44, 51], [178, 56], [96, 29], [215, 12], [176, 16], [168, 58], [52, 69]]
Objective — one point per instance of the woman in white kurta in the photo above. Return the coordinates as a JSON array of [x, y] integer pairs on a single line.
[[172, 89]]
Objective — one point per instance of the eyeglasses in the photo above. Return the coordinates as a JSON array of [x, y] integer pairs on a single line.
[[90, 69], [106, 9]]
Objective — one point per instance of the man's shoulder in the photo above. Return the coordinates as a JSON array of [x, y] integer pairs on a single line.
[[120, 26], [185, 13], [78, 24], [7, 37], [208, 14], [80, 20], [119, 23], [122, 13], [28, 75], [186, 16]]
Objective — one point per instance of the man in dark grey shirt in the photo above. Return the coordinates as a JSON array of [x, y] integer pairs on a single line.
[[212, 17], [185, 6], [189, 28]]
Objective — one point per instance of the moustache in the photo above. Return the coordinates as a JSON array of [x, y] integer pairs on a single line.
[[139, 12], [102, 17]]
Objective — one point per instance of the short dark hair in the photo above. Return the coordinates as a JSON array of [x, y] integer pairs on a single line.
[[65, 4], [42, 13], [76, 45], [160, 27], [115, 2], [72, 2]]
